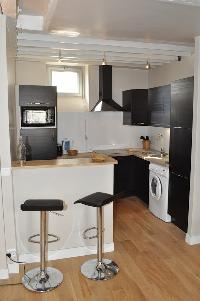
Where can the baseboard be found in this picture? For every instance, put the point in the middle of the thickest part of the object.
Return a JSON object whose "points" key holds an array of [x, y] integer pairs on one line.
{"points": [[4, 274], [192, 240], [13, 268], [66, 253]]}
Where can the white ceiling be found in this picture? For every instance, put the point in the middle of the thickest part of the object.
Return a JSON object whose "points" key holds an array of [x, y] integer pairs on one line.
{"points": [[107, 20]]}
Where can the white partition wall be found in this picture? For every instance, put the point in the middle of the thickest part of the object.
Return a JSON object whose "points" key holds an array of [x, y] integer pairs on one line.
{"points": [[7, 224]]}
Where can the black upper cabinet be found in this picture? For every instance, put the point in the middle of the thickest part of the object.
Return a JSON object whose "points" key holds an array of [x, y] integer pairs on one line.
{"points": [[135, 105], [182, 102], [31, 95], [159, 106]]}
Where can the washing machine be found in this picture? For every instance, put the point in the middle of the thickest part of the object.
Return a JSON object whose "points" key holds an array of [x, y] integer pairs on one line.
{"points": [[158, 191]]}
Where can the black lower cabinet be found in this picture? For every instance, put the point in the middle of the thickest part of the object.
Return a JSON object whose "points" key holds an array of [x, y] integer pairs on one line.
{"points": [[141, 179], [131, 177], [40, 143], [123, 183], [178, 203]]}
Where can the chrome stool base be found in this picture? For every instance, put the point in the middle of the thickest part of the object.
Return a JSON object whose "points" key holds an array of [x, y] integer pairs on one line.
{"points": [[105, 270], [33, 281]]}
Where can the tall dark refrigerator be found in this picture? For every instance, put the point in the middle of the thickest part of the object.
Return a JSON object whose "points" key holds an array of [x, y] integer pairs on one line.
{"points": [[180, 150]]}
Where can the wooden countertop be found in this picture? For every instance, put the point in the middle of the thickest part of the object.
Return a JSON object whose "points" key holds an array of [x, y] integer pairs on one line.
{"points": [[82, 159], [138, 152]]}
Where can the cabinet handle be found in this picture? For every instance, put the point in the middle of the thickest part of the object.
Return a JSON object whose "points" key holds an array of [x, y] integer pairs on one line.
{"points": [[177, 127]]}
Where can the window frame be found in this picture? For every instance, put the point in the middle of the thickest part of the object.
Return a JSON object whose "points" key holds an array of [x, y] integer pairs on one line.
{"points": [[78, 70]]}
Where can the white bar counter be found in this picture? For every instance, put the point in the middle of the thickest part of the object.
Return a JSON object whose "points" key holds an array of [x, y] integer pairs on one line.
{"points": [[68, 181]]}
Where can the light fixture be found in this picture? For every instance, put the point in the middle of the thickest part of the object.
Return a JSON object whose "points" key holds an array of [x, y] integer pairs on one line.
{"points": [[68, 33], [60, 57], [104, 60], [147, 66]]}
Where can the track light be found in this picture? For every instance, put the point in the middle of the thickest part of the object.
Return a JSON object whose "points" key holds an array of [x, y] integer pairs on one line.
{"points": [[60, 57], [104, 60], [147, 66]]}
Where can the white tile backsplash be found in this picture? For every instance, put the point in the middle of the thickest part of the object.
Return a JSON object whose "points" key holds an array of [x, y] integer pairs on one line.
{"points": [[98, 130], [159, 138]]}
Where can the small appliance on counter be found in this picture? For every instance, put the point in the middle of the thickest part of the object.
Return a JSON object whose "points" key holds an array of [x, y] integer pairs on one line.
{"points": [[65, 145]]}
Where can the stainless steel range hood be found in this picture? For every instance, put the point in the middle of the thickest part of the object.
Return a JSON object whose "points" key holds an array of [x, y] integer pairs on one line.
{"points": [[105, 102]]}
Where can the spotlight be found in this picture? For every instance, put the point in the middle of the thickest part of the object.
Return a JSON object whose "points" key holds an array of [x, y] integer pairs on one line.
{"points": [[147, 66]]}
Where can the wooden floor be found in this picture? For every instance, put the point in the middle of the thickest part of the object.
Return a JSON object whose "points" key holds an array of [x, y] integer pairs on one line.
{"points": [[155, 264]]}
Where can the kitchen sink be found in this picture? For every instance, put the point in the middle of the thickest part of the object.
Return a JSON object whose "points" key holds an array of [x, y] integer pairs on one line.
{"points": [[155, 156]]}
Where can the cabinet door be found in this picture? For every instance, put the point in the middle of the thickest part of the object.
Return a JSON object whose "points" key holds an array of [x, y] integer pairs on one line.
{"points": [[42, 143], [127, 97], [180, 151], [182, 102], [159, 106], [36, 95], [178, 204], [140, 110], [123, 184], [141, 179]]}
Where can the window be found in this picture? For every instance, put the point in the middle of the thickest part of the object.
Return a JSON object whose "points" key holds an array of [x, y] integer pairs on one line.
{"points": [[68, 80]]}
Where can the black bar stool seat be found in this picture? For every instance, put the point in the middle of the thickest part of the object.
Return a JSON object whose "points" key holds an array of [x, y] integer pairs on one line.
{"points": [[42, 205], [44, 278], [99, 268], [97, 199]]}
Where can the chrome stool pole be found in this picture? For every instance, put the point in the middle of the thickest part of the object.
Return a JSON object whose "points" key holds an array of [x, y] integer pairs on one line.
{"points": [[99, 268], [44, 278]]}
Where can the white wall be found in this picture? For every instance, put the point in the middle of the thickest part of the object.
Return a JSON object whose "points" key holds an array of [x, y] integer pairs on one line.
{"points": [[193, 234], [11, 68], [122, 79], [37, 73], [170, 72], [7, 222], [103, 129], [98, 130]]}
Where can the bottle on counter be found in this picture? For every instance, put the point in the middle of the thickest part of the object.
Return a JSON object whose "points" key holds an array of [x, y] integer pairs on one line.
{"points": [[21, 152]]}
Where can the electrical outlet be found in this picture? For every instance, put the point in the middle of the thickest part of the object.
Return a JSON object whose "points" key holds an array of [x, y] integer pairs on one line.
{"points": [[13, 253]]}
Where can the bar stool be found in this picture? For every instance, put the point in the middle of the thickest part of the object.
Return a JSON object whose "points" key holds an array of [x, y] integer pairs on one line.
{"points": [[99, 268], [44, 278]]}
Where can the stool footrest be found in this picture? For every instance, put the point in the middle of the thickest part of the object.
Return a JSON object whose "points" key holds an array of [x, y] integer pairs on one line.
{"points": [[35, 241]]}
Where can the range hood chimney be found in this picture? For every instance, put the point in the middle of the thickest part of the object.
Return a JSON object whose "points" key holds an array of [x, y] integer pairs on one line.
{"points": [[105, 102]]}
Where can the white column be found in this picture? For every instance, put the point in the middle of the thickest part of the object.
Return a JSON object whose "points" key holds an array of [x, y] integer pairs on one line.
{"points": [[193, 234], [5, 156]]}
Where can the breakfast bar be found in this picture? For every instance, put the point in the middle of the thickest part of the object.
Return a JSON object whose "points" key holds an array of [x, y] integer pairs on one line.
{"points": [[68, 180]]}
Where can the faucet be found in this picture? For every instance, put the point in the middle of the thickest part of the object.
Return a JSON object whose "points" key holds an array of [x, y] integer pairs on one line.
{"points": [[162, 152]]}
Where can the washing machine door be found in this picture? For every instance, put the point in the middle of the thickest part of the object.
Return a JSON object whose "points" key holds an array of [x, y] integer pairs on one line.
{"points": [[155, 187]]}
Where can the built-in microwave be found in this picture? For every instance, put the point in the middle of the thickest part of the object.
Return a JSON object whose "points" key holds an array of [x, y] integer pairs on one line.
{"points": [[41, 116]]}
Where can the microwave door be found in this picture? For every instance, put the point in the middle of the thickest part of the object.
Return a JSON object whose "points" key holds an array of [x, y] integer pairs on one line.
{"points": [[38, 117]]}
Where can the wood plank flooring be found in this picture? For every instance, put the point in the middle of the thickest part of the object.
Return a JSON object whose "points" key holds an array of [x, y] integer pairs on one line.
{"points": [[155, 264]]}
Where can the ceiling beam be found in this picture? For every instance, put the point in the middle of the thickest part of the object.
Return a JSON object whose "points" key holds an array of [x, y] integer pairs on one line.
{"points": [[105, 48], [49, 14], [91, 42], [55, 52]]}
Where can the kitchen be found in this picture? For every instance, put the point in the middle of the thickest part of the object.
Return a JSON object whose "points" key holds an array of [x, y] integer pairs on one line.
{"points": [[105, 130]]}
